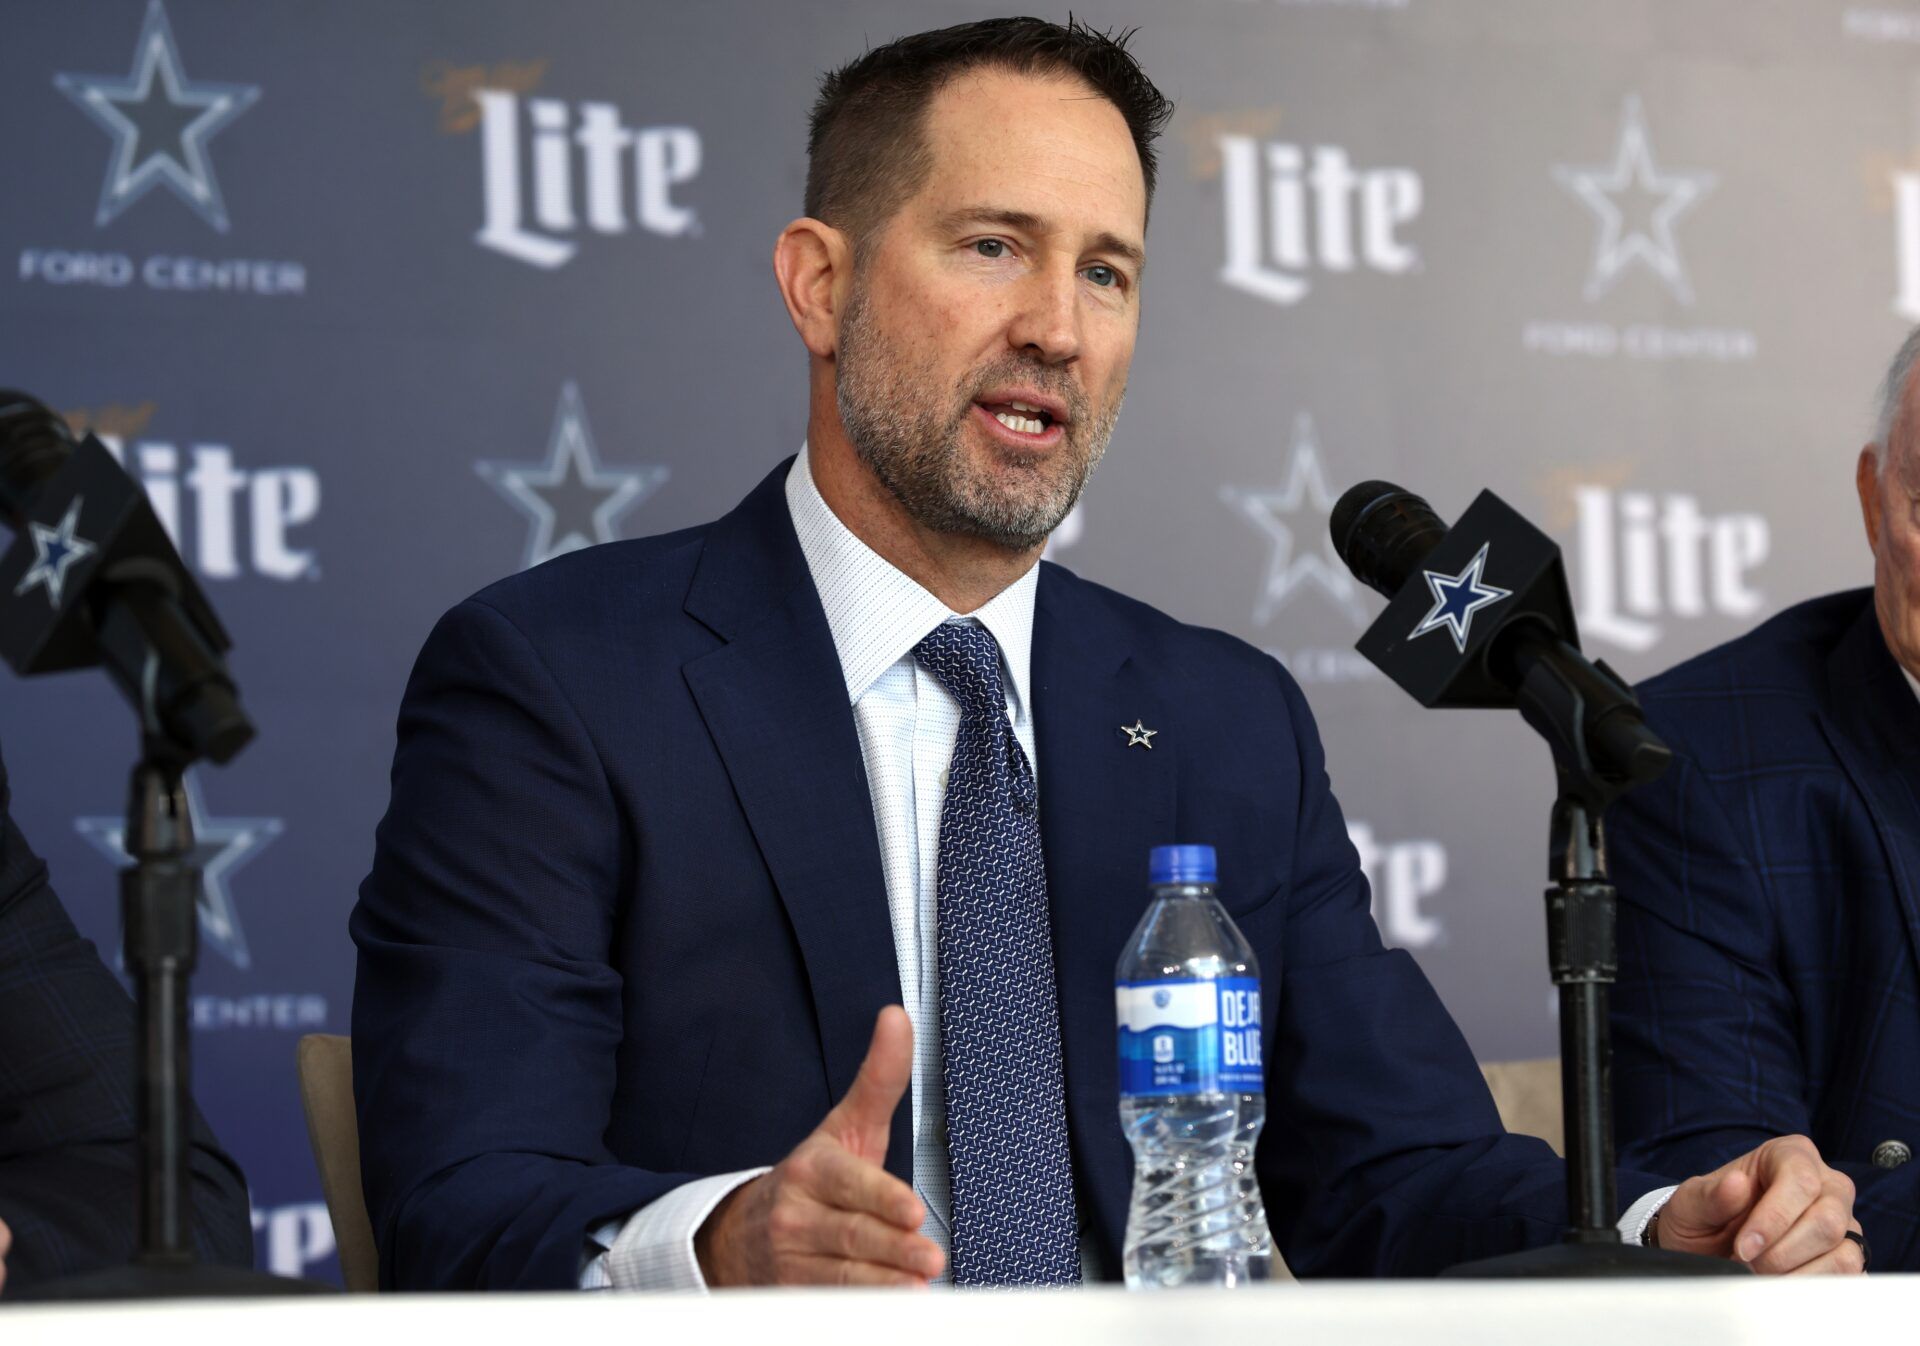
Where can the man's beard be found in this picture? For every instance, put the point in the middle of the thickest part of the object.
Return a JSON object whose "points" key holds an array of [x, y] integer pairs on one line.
{"points": [[894, 417]]}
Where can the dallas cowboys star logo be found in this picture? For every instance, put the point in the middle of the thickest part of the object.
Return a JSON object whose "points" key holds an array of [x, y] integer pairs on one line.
{"points": [[1457, 597], [160, 122], [221, 846], [1304, 502], [1634, 178], [55, 551], [571, 498], [1138, 735]]}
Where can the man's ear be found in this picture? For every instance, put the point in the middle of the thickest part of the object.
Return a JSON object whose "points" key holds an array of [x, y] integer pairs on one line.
{"points": [[813, 264], [1866, 480]]}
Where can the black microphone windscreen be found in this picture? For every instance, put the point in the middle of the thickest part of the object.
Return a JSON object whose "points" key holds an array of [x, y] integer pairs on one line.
{"points": [[34, 441], [1382, 532], [1350, 506]]}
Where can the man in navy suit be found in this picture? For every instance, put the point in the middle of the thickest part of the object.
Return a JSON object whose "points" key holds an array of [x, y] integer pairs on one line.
{"points": [[68, 1175], [679, 824], [1770, 882]]}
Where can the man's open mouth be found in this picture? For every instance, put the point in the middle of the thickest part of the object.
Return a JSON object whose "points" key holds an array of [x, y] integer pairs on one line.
{"points": [[1021, 416]]}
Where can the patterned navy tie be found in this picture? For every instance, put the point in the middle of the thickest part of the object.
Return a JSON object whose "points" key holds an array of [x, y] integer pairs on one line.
{"points": [[1013, 1208]]}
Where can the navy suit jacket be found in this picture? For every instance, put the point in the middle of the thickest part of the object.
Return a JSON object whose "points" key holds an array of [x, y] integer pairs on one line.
{"points": [[68, 1177], [1770, 912], [626, 922]]}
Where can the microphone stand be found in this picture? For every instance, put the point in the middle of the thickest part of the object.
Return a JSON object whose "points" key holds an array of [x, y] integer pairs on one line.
{"points": [[159, 911], [158, 896], [1574, 708], [136, 610]]}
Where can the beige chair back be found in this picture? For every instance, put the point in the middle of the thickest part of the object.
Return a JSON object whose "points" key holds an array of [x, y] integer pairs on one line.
{"points": [[1528, 1096], [326, 1091]]}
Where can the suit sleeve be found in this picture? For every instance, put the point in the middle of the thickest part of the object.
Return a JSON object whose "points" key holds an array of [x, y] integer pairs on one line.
{"points": [[1707, 1060], [68, 1151], [486, 1012], [1385, 1155]]}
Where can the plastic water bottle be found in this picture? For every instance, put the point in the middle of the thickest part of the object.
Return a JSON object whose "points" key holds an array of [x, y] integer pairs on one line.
{"points": [[1192, 1091]]}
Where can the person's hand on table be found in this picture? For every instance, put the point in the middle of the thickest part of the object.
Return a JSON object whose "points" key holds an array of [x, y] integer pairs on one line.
{"points": [[829, 1213], [1778, 1208], [6, 1244]]}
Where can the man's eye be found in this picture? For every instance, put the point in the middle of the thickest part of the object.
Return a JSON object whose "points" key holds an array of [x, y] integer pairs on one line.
{"points": [[1103, 276], [997, 246]]}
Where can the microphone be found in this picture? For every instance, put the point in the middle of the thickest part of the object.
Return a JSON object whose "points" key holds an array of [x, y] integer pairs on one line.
{"points": [[1479, 615], [1381, 532], [92, 578]]}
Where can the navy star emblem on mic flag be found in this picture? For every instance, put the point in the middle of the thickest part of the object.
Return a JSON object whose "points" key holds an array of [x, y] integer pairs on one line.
{"points": [[56, 550], [1457, 597]]}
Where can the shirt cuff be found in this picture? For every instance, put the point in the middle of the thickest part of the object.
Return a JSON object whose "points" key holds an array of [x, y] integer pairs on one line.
{"points": [[1633, 1225], [653, 1248]]}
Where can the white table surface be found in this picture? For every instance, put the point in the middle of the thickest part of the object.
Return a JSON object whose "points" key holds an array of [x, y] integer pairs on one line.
{"points": [[1813, 1312]]}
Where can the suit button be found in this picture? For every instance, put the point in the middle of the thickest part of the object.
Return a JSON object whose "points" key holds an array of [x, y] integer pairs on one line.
{"points": [[1891, 1153]]}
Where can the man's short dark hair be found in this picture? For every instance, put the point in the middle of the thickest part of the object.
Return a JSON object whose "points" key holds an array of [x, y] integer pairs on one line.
{"points": [[867, 148]]}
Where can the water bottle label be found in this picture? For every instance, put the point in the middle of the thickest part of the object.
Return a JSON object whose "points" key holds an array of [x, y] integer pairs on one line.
{"points": [[1190, 1037]]}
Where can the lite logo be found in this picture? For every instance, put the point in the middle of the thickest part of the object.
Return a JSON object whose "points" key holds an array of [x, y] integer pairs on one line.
{"points": [[1906, 221], [1644, 556], [202, 499], [1403, 875], [290, 1240], [1290, 211], [622, 170]]}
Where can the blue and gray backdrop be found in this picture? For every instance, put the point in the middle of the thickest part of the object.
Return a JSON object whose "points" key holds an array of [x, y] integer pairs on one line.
{"points": [[385, 301]]}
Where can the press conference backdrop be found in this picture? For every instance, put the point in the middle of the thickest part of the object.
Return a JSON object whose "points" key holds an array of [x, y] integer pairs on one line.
{"points": [[383, 302]]}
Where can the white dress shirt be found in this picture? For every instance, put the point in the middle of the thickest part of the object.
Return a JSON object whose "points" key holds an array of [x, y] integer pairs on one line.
{"points": [[908, 724]]}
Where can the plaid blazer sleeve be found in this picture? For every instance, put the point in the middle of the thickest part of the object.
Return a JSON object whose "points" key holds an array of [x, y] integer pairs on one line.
{"points": [[1708, 1062], [1709, 1020], [67, 1152]]}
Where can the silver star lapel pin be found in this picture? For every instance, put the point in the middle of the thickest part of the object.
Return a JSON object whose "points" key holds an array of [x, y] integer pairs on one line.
{"points": [[1138, 734]]}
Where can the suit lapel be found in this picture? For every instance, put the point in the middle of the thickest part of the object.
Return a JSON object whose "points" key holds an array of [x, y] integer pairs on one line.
{"points": [[1102, 804], [775, 702], [1872, 721]]}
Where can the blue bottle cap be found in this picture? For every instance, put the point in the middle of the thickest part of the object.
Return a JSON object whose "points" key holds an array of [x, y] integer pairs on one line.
{"points": [[1181, 864]]}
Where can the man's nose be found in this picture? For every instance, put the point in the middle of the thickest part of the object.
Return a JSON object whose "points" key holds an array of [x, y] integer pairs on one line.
{"points": [[1047, 322]]}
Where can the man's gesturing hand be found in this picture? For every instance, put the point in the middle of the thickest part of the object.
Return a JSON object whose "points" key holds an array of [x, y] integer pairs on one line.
{"points": [[829, 1214], [1778, 1207]]}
